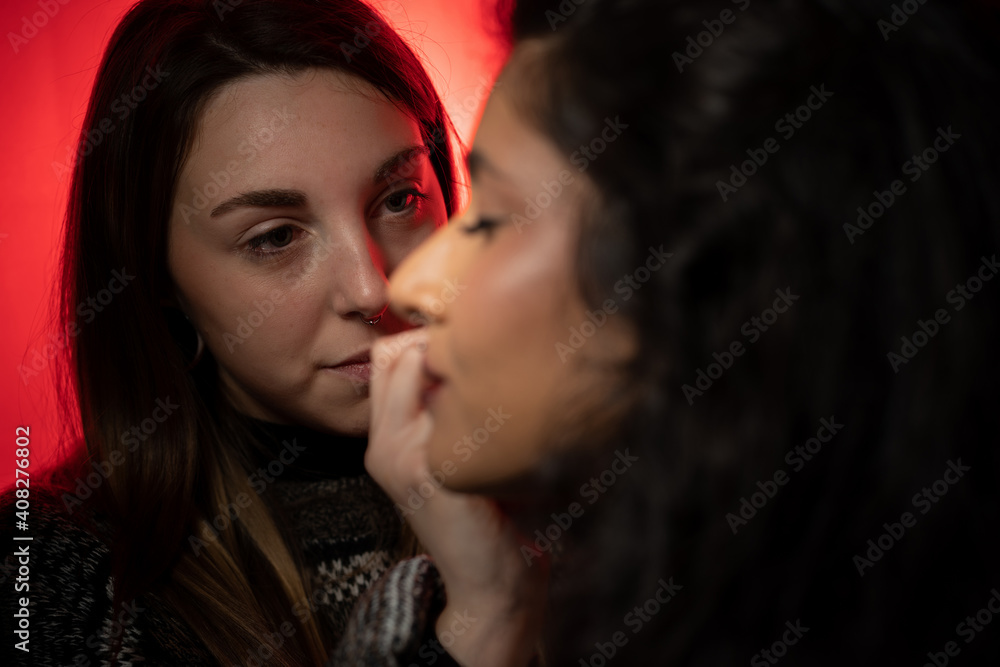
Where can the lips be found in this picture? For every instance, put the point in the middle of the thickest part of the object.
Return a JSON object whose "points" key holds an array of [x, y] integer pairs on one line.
{"points": [[357, 366], [361, 357]]}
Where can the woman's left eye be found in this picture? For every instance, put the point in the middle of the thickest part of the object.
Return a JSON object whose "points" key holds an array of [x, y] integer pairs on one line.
{"points": [[398, 202], [278, 238]]}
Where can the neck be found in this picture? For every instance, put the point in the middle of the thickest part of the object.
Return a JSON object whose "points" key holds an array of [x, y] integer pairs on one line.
{"points": [[301, 453]]}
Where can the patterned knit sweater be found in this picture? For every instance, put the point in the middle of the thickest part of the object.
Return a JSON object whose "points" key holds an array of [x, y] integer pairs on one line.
{"points": [[379, 616]]}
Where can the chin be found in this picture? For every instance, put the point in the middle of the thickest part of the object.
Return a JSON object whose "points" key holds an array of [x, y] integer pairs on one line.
{"points": [[355, 423], [481, 477], [339, 417]]}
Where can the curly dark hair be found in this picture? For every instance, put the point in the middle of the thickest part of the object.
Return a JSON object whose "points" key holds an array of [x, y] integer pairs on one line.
{"points": [[818, 421]]}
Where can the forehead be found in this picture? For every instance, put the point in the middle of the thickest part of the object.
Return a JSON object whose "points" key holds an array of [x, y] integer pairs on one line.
{"points": [[314, 126], [241, 100], [512, 152]]}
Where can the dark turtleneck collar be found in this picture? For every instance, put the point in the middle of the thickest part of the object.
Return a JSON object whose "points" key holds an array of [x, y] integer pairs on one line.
{"points": [[305, 454]]}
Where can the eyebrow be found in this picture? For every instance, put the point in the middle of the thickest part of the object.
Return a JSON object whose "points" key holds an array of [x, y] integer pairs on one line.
{"points": [[477, 164], [273, 198], [279, 198], [387, 169]]}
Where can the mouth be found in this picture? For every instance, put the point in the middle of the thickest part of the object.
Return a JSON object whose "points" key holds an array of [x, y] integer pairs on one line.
{"points": [[430, 385], [357, 367]]}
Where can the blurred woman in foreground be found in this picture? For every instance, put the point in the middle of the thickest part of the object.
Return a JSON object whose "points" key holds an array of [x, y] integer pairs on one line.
{"points": [[725, 343]]}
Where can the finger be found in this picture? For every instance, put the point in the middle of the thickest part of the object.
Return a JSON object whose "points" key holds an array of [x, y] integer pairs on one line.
{"points": [[398, 402], [385, 355]]}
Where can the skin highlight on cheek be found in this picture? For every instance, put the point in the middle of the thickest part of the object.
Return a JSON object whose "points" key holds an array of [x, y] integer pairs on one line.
{"points": [[503, 400]]}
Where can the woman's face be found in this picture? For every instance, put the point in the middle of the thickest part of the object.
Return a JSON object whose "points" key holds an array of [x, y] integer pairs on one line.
{"points": [[498, 288], [300, 195]]}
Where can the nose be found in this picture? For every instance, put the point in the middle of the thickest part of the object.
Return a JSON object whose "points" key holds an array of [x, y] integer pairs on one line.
{"points": [[418, 284], [360, 286]]}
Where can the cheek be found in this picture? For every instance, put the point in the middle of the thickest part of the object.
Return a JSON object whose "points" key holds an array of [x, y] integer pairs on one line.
{"points": [[396, 246], [267, 329], [514, 309], [505, 328], [249, 324]]}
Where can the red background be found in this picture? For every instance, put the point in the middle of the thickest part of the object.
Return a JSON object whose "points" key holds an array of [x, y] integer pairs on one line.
{"points": [[46, 83]]}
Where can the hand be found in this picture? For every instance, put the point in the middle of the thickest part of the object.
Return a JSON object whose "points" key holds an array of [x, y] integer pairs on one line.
{"points": [[474, 545]]}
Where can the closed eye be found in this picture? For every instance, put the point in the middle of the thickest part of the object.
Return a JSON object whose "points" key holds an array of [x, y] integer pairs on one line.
{"points": [[481, 226]]}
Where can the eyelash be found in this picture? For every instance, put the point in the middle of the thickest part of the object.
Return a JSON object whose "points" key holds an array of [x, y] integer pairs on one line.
{"points": [[254, 244], [419, 199], [481, 226]]}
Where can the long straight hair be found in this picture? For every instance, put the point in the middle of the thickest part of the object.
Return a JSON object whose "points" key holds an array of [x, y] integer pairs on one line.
{"points": [[125, 366]]}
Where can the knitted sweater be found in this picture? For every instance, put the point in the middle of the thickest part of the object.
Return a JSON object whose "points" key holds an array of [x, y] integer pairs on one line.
{"points": [[336, 511]]}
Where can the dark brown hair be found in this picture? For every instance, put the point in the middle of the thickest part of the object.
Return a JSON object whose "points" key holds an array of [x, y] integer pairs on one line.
{"points": [[245, 581]]}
